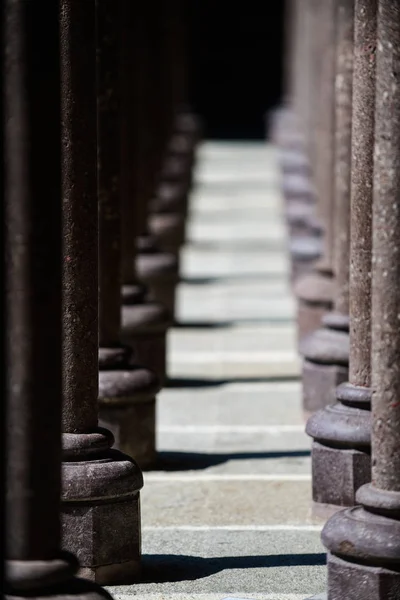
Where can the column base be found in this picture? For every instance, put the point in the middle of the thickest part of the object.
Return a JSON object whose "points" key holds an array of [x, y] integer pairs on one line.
{"points": [[134, 430], [341, 461], [337, 474], [304, 252], [107, 539], [168, 230], [351, 581], [100, 508], [326, 365], [120, 573], [363, 546], [171, 197], [319, 384], [127, 409], [315, 293], [144, 329], [160, 272]]}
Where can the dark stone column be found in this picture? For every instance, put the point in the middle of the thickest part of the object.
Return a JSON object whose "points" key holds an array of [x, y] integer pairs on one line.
{"points": [[100, 501], [341, 448], [158, 269], [126, 391], [169, 206], [144, 323], [326, 351], [315, 290], [36, 566], [364, 541]]}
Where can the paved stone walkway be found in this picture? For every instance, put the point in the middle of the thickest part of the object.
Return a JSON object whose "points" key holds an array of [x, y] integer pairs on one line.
{"points": [[229, 514]]}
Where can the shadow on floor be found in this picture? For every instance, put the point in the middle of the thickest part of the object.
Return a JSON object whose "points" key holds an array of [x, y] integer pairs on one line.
{"points": [[233, 323], [189, 461], [264, 277], [227, 184], [203, 324], [234, 246], [162, 568], [192, 382]]}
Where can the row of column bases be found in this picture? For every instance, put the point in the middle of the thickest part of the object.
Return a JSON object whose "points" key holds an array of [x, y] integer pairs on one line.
{"points": [[338, 134], [99, 148]]}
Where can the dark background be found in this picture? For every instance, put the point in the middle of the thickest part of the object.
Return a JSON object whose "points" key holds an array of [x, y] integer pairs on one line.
{"points": [[236, 64]]}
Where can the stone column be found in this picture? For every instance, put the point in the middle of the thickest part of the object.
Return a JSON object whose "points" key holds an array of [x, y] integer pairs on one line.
{"points": [[326, 351], [36, 566], [284, 122], [298, 188], [315, 290], [341, 448], [168, 209], [158, 269], [100, 499], [280, 120], [126, 391], [144, 323], [364, 541]]}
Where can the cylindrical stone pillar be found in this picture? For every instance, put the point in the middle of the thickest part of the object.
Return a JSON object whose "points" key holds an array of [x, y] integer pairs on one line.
{"points": [[144, 323], [315, 290], [305, 244], [341, 448], [364, 541], [285, 125], [169, 206], [36, 566], [326, 351], [126, 391], [100, 485], [159, 270]]}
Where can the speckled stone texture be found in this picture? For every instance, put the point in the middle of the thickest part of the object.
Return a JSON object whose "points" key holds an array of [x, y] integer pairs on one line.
{"points": [[144, 324], [319, 384], [314, 293], [33, 564], [363, 541], [100, 491], [353, 416], [159, 271], [349, 581], [144, 329], [337, 476]]}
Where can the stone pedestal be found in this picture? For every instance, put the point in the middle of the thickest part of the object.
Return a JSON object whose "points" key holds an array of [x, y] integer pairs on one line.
{"points": [[314, 293]]}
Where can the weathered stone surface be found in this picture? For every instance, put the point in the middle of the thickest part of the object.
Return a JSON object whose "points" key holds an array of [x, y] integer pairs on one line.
{"points": [[338, 473], [349, 580], [186, 564], [320, 382]]}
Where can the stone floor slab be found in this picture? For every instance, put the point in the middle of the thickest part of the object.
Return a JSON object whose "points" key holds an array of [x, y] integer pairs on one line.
{"points": [[262, 365], [186, 501], [232, 404], [250, 338], [230, 563], [235, 265], [232, 439], [227, 514]]}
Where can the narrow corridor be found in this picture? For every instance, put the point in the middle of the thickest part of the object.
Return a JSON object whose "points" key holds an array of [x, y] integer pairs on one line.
{"points": [[229, 512]]}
